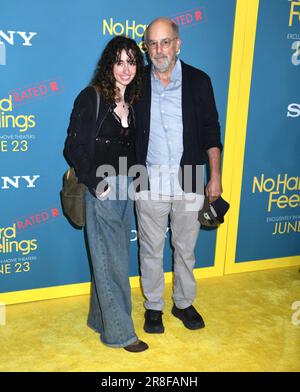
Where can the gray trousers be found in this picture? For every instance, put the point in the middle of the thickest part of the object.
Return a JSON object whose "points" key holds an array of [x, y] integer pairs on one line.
{"points": [[152, 225]]}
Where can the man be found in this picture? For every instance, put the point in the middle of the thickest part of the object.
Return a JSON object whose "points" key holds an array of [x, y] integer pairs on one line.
{"points": [[178, 128]]}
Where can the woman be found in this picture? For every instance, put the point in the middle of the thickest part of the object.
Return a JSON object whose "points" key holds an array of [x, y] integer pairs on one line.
{"points": [[90, 145]]}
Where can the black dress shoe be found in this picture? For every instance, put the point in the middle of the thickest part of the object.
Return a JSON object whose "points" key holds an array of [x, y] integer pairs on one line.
{"points": [[153, 321], [137, 347], [189, 316]]}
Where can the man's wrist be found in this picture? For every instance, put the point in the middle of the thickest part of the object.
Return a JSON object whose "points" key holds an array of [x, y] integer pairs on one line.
{"points": [[215, 176]]}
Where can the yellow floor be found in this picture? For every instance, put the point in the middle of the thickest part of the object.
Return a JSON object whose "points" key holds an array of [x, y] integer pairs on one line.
{"points": [[248, 328]]}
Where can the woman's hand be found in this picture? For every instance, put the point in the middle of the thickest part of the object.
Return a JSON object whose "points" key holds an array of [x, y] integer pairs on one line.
{"points": [[103, 194]]}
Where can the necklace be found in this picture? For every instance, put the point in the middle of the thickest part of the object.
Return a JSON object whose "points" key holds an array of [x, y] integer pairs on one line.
{"points": [[122, 104]]}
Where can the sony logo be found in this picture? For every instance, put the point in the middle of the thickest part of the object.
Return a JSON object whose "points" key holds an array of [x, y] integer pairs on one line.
{"points": [[9, 37], [9, 182]]}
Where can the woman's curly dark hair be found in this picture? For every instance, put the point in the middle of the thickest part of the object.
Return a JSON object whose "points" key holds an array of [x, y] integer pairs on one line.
{"points": [[104, 79]]}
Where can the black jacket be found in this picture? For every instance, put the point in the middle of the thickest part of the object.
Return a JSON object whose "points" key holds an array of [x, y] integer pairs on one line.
{"points": [[201, 128], [79, 147]]}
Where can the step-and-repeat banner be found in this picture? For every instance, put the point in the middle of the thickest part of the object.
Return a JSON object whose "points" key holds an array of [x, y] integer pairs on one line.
{"points": [[48, 52], [269, 216]]}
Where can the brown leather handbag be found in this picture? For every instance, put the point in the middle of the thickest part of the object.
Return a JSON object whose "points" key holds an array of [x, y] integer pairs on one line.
{"points": [[72, 197]]}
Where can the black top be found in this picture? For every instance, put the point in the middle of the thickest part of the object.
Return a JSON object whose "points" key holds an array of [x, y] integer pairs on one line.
{"points": [[115, 141]]}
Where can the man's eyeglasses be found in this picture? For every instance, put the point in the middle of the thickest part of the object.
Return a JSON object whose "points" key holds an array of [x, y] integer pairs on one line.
{"points": [[164, 43]]}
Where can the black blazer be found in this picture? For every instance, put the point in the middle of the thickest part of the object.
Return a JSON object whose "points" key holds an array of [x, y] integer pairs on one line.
{"points": [[79, 149], [201, 128]]}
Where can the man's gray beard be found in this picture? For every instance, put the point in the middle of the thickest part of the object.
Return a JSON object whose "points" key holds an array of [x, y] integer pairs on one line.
{"points": [[161, 67]]}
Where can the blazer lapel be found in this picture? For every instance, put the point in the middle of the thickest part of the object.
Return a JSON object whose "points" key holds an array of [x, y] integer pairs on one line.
{"points": [[186, 99]]}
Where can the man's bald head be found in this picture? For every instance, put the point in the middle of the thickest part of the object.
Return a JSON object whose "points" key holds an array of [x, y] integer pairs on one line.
{"points": [[161, 21]]}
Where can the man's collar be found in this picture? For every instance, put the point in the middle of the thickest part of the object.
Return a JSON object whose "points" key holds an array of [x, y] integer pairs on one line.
{"points": [[176, 73]]}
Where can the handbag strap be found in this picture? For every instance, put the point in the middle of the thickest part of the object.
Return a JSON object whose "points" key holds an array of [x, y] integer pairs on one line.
{"points": [[98, 103], [98, 106]]}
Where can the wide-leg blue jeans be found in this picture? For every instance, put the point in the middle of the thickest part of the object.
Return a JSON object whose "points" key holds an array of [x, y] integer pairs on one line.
{"points": [[108, 224]]}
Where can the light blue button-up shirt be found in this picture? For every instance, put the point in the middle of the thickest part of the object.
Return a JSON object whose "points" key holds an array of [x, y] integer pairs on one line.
{"points": [[166, 134]]}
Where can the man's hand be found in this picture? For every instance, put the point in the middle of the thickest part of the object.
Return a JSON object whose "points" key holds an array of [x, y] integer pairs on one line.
{"points": [[214, 187]]}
